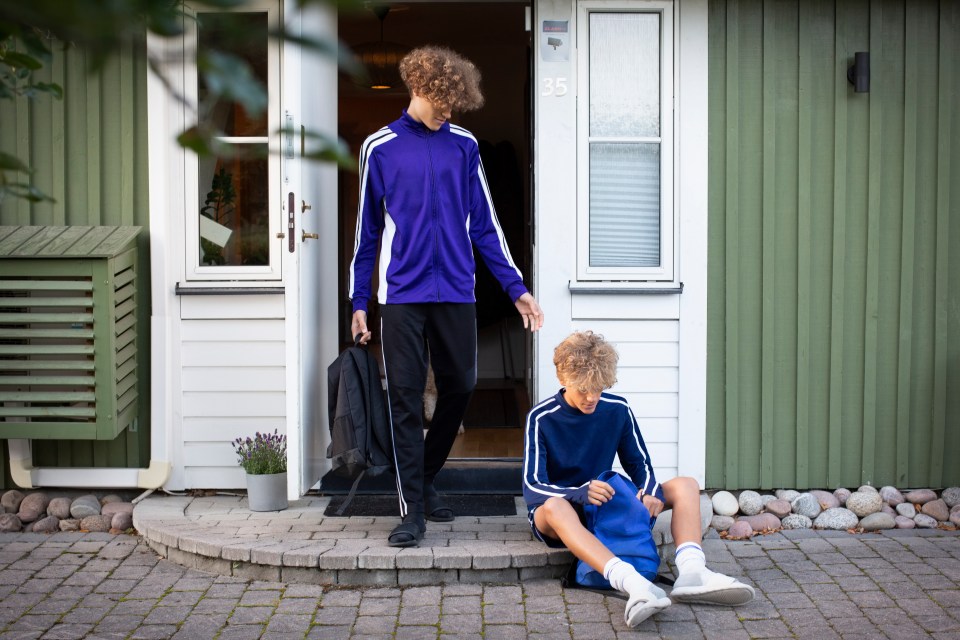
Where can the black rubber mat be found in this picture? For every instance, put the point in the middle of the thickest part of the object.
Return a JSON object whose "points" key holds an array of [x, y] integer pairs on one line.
{"points": [[387, 505]]}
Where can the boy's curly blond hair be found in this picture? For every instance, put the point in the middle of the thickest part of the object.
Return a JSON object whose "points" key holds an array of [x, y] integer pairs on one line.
{"points": [[585, 359], [442, 77]]}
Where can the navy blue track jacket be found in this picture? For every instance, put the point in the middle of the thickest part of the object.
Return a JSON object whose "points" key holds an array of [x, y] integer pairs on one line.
{"points": [[424, 200], [564, 449]]}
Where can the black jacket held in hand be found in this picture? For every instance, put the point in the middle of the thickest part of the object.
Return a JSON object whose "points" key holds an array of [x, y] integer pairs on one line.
{"points": [[360, 438]]}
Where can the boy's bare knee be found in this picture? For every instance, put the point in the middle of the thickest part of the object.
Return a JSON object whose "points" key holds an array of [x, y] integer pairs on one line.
{"points": [[681, 489]]}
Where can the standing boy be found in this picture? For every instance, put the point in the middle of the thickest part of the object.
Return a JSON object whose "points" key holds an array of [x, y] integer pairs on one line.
{"points": [[570, 439], [425, 204]]}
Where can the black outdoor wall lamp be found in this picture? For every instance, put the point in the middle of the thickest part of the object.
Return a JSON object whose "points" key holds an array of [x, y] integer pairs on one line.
{"points": [[859, 72]]}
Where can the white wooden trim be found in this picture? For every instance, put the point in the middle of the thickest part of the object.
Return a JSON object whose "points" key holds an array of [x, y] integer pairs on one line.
{"points": [[692, 187], [667, 271]]}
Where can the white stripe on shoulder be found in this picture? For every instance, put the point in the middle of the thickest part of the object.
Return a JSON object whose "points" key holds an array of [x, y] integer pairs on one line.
{"points": [[460, 131]]}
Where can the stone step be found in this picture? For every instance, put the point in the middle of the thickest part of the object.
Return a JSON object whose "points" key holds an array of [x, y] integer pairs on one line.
{"points": [[300, 545]]}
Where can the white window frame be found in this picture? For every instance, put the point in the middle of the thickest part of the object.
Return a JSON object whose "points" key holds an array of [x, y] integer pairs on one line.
{"points": [[195, 272], [666, 274]]}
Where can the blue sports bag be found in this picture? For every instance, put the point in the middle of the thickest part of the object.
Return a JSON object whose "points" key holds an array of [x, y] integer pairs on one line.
{"points": [[624, 526]]}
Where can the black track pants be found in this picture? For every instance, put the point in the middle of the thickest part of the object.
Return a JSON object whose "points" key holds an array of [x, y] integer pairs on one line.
{"points": [[448, 332]]}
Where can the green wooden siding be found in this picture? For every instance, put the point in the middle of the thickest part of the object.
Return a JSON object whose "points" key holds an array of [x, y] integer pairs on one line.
{"points": [[89, 152], [834, 262]]}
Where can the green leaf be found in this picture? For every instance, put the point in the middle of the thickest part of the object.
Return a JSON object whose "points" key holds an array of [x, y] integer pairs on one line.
{"points": [[195, 140], [49, 87], [12, 163], [19, 60]]}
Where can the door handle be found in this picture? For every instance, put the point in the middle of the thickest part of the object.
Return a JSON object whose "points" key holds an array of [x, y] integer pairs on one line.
{"points": [[291, 224]]}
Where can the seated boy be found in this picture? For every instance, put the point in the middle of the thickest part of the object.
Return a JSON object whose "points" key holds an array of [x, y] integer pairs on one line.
{"points": [[570, 439]]}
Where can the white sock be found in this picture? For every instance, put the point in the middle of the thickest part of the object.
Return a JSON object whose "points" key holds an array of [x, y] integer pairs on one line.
{"points": [[689, 558], [623, 577]]}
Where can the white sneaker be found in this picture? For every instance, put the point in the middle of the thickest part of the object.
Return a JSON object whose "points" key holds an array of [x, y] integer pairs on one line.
{"points": [[643, 605], [708, 587]]}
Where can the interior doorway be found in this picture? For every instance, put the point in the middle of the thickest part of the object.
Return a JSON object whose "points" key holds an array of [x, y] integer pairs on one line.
{"points": [[496, 38]]}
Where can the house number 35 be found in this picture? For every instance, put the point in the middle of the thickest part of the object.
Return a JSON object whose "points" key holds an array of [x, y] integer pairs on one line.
{"points": [[554, 87]]}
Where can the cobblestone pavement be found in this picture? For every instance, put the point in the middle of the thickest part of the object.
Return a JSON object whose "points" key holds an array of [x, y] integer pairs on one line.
{"points": [[810, 585]]}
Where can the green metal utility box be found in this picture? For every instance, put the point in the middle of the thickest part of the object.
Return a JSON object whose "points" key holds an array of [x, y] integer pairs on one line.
{"points": [[68, 334]]}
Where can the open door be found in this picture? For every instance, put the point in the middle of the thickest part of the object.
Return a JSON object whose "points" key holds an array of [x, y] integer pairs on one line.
{"points": [[310, 202]]}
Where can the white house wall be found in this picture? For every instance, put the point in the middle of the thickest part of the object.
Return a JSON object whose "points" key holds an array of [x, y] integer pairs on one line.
{"points": [[661, 337], [233, 383]]}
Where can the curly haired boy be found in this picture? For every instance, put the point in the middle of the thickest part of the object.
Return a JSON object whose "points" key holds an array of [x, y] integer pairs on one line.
{"points": [[571, 439], [424, 206]]}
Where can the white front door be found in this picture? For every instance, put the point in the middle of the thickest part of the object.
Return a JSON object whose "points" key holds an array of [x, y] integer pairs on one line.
{"points": [[243, 302], [310, 189]]}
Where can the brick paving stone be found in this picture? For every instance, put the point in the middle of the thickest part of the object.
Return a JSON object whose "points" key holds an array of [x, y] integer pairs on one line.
{"points": [[416, 633], [335, 615], [298, 605], [544, 604], [68, 631], [507, 614], [342, 598], [419, 614], [329, 632], [369, 625], [459, 623], [372, 606]]}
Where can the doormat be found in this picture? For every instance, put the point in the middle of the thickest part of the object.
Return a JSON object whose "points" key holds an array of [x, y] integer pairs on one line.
{"points": [[388, 505]]}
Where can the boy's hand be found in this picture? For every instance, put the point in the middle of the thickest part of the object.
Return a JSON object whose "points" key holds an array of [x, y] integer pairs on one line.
{"points": [[358, 326], [530, 311], [599, 492], [653, 504]]}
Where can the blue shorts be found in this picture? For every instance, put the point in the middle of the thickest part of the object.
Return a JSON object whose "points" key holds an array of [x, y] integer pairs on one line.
{"points": [[553, 543]]}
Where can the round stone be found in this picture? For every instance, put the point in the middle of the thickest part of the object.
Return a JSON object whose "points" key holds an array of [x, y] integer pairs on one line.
{"points": [[796, 521], [806, 505], [907, 510], [112, 508], [84, 506], [121, 520], [951, 496], [48, 524], [837, 519], [863, 503], [936, 509], [107, 499], [955, 518], [739, 530], [868, 489], [10, 501], [779, 508], [891, 495], [725, 503], [767, 498], [95, 523], [924, 521], [826, 499], [33, 507], [750, 502], [921, 496], [842, 495], [761, 522], [721, 523], [59, 507], [786, 494], [70, 524], [10, 523], [888, 510], [878, 522], [904, 522]]}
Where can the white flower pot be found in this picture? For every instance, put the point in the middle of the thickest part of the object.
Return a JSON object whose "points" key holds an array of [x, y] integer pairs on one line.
{"points": [[267, 492]]}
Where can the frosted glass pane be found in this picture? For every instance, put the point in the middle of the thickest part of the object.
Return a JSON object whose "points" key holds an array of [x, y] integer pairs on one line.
{"points": [[624, 74], [624, 205]]}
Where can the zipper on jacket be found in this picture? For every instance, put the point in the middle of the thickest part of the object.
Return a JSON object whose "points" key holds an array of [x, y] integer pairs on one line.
{"points": [[436, 218]]}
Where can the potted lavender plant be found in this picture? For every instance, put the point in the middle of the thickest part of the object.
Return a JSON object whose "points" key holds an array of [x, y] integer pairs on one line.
{"points": [[264, 458]]}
